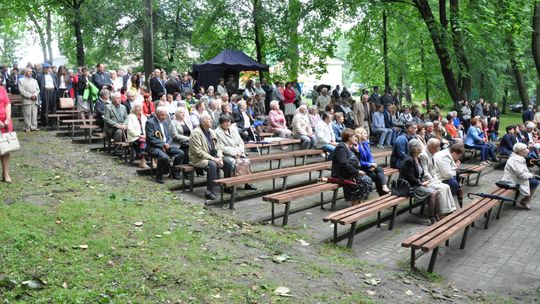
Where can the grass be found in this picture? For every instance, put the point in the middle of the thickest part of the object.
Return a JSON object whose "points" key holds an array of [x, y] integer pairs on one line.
{"points": [[509, 119]]}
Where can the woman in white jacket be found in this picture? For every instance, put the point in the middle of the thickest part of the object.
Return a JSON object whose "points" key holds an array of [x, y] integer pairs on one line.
{"points": [[136, 136], [516, 171]]}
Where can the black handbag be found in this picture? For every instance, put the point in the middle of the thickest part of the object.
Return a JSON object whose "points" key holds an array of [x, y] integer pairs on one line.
{"points": [[400, 187]]}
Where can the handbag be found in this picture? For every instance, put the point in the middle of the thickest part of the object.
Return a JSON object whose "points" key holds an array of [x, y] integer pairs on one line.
{"points": [[242, 166], [400, 187], [66, 102], [9, 143]]}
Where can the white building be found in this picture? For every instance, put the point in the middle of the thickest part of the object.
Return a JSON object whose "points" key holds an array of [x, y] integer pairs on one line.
{"points": [[332, 77]]}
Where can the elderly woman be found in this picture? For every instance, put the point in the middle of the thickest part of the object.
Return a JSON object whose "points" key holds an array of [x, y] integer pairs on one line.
{"points": [[413, 172], [232, 146], [277, 123], [346, 167], [197, 111], [136, 136], [181, 128], [516, 171], [314, 117], [367, 163], [171, 104], [338, 125], [243, 120], [475, 140], [6, 126]]}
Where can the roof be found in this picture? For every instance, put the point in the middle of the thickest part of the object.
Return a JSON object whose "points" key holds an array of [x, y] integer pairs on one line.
{"points": [[231, 60]]}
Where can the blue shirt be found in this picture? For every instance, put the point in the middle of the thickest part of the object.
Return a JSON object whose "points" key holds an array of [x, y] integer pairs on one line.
{"points": [[364, 154], [338, 129], [473, 136], [378, 120]]}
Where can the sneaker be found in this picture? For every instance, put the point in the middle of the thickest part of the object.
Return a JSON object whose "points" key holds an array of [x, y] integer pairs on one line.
{"points": [[525, 205], [210, 195], [380, 146]]}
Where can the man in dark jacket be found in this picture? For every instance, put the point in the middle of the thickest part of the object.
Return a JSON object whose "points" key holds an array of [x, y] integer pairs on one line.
{"points": [[528, 115], [158, 141], [156, 85], [48, 87], [401, 150], [101, 106], [375, 97], [173, 84], [101, 79]]}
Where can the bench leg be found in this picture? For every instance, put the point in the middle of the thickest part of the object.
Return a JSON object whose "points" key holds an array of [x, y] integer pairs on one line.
{"points": [[304, 160], [272, 213], [393, 219], [284, 185], [309, 176], [320, 174], [335, 232], [351, 235], [410, 205], [221, 188], [183, 181], [447, 243], [270, 165], [413, 258], [499, 210], [294, 161], [322, 200], [286, 214], [233, 196], [477, 179], [464, 238], [488, 217], [433, 259], [379, 219], [279, 164], [334, 199], [191, 180]]}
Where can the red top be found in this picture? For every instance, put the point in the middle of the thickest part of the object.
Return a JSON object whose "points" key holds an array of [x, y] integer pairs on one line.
{"points": [[289, 96], [75, 83], [148, 108], [4, 101]]}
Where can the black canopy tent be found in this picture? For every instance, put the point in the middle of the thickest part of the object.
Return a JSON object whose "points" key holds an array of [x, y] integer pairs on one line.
{"points": [[228, 62]]}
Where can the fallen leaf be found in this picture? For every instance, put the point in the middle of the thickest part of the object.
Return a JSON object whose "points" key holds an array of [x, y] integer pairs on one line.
{"points": [[83, 247], [216, 296], [408, 292], [264, 257], [373, 282], [371, 292], [280, 258], [158, 236], [34, 284], [166, 232], [303, 243], [58, 221], [282, 291], [368, 275], [64, 285], [138, 224]]}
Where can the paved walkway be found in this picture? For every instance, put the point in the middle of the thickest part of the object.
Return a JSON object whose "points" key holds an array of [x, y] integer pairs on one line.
{"points": [[503, 259]]}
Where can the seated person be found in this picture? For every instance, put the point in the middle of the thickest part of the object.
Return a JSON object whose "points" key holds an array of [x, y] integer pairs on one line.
{"points": [[181, 129], [136, 135], [158, 141], [508, 141], [324, 135], [367, 163], [198, 110], [338, 126], [445, 199], [378, 126], [302, 128], [232, 146], [114, 118], [148, 105], [413, 173], [101, 105], [516, 171], [401, 150], [243, 121], [475, 140], [314, 117], [205, 153], [346, 166], [277, 123], [447, 163]]}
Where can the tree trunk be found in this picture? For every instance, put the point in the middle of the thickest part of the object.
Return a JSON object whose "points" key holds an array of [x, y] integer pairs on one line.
{"points": [[520, 83], [78, 33], [441, 48], [49, 35], [294, 10], [385, 51], [408, 93], [504, 100], [148, 41], [259, 34], [457, 42], [442, 13], [423, 65], [482, 83], [536, 38], [39, 31]]}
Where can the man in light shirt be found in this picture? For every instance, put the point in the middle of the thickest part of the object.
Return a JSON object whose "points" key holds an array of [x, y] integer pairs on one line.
{"points": [[29, 89]]}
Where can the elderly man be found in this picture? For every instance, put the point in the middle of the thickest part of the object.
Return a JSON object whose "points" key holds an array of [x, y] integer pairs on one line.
{"points": [[401, 150], [101, 106], [158, 141], [243, 121], [323, 100], [445, 199], [302, 128], [516, 171], [446, 165], [29, 90], [157, 87], [232, 146], [204, 152], [130, 101], [114, 118], [48, 87], [359, 112]]}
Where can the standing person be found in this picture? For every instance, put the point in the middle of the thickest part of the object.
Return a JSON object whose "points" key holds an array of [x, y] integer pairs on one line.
{"points": [[101, 78], [159, 140], [277, 94], [346, 166], [48, 87], [29, 89], [6, 125], [375, 98], [221, 87], [249, 91], [466, 115], [268, 96], [345, 94], [516, 171], [85, 98], [379, 127], [157, 87], [314, 95], [289, 97], [528, 115], [232, 85], [335, 93], [64, 81], [358, 112]]}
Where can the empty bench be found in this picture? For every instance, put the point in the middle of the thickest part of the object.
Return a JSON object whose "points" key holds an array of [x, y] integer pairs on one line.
{"points": [[465, 173], [351, 215], [287, 196], [435, 235]]}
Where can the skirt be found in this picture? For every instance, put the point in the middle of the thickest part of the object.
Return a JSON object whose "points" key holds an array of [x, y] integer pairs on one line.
{"points": [[83, 105], [359, 191], [290, 108]]}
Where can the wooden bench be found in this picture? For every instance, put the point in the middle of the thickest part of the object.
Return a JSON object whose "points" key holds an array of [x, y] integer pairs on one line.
{"points": [[58, 117], [73, 122], [431, 238], [16, 104], [470, 170], [380, 154], [89, 132], [234, 182], [261, 145], [188, 170], [287, 196], [351, 215]]}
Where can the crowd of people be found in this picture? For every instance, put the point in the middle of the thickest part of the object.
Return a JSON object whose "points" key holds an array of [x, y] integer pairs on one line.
{"points": [[173, 118]]}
